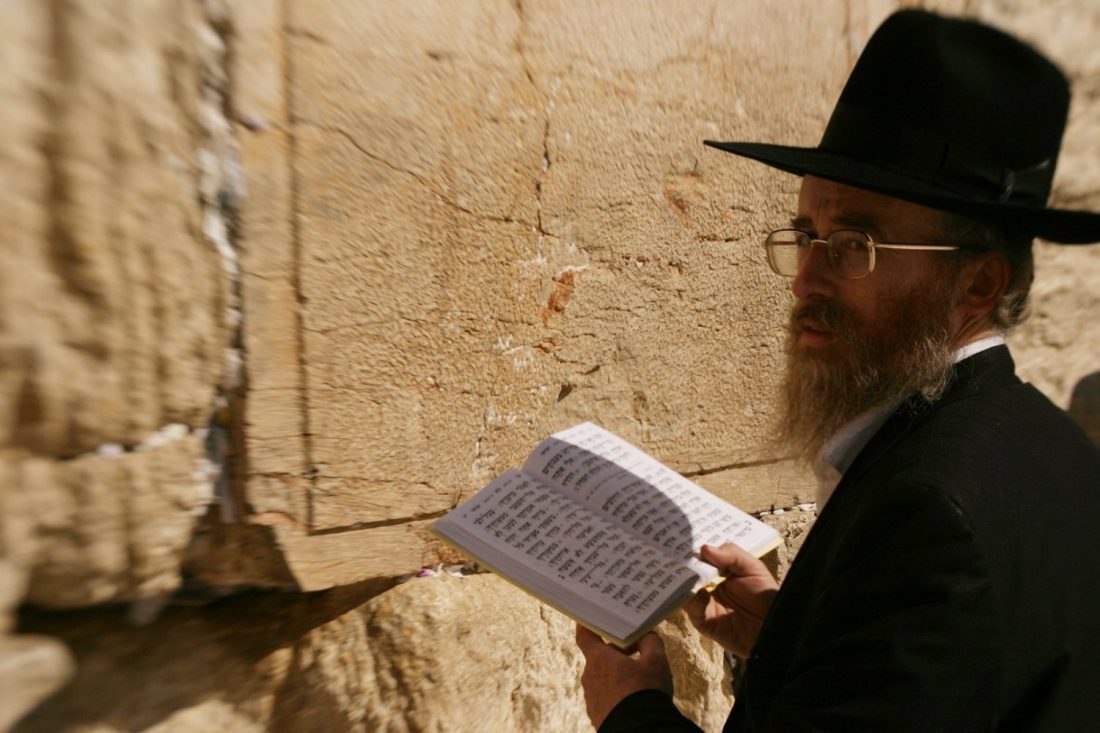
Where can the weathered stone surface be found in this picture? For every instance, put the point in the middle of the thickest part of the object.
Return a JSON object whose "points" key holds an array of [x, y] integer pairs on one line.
{"points": [[107, 527], [528, 234], [421, 656], [274, 438], [476, 263], [761, 487], [1060, 345], [478, 654], [700, 673], [1084, 405], [31, 668], [119, 301], [115, 304], [792, 524]]}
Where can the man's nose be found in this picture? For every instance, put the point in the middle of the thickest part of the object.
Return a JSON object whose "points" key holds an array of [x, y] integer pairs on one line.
{"points": [[815, 279]]}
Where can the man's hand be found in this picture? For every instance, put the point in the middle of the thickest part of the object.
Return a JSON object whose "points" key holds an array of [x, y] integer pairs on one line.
{"points": [[733, 614], [611, 674]]}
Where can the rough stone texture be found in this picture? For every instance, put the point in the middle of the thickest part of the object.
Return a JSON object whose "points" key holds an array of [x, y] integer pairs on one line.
{"points": [[31, 668], [493, 231], [118, 299], [129, 545], [115, 304], [1085, 404], [418, 657], [793, 525], [533, 234], [498, 220], [464, 225], [1059, 348]]}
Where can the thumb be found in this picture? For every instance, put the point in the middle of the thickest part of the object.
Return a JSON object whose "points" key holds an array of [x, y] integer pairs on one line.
{"points": [[732, 560]]}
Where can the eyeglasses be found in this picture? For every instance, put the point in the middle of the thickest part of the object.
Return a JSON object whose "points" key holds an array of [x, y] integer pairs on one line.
{"points": [[851, 253]]}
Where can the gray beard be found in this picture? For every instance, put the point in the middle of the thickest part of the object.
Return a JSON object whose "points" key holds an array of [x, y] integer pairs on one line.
{"points": [[908, 352]]}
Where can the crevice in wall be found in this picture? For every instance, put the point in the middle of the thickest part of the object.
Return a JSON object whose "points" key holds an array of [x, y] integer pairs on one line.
{"points": [[163, 435], [776, 511], [221, 187], [70, 263], [735, 466], [849, 39], [521, 51], [297, 247], [419, 178], [415, 518]]}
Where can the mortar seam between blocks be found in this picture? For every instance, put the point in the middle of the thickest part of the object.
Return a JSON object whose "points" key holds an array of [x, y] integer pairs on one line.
{"points": [[297, 256]]}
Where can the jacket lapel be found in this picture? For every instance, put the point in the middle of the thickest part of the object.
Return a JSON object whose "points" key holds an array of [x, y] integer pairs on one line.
{"points": [[985, 370]]}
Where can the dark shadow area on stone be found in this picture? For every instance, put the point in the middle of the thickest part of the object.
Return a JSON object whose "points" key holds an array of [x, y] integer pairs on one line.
{"points": [[130, 678], [1084, 405]]}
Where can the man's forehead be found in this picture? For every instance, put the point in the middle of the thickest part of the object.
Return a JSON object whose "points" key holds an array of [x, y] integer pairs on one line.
{"points": [[822, 202]]}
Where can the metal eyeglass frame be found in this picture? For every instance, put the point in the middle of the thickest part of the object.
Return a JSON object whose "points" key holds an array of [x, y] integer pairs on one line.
{"points": [[871, 243]]}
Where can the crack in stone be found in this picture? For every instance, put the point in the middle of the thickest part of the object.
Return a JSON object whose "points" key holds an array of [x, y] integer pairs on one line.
{"points": [[168, 433], [409, 172], [221, 188], [521, 52], [288, 33], [807, 506], [357, 526], [735, 466]]}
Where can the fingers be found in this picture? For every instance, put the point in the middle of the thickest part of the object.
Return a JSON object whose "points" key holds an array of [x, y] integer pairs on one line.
{"points": [[650, 647], [733, 560], [588, 641], [696, 608]]}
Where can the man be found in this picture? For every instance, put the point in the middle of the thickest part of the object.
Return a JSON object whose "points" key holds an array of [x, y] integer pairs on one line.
{"points": [[950, 582]]}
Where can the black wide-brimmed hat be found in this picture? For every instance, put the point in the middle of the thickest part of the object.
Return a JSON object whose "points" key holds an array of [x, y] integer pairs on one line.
{"points": [[952, 114]]}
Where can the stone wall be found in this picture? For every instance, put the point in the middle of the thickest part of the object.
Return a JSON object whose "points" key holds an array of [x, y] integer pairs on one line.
{"points": [[283, 281]]}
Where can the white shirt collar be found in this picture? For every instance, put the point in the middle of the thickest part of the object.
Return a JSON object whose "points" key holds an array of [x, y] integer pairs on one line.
{"points": [[839, 452], [974, 347]]}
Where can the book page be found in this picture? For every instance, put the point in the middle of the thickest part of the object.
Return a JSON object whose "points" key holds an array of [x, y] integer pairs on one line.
{"points": [[634, 489], [523, 528]]}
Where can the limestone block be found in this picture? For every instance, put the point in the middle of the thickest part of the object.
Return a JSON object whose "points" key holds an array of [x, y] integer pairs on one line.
{"points": [[1084, 405], [793, 524], [1059, 347], [474, 654], [108, 527], [31, 667], [442, 653], [275, 422], [119, 300], [501, 221], [115, 308], [700, 673], [760, 487], [213, 668]]}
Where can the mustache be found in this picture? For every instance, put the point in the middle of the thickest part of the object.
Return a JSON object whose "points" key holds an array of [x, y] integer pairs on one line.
{"points": [[828, 317]]}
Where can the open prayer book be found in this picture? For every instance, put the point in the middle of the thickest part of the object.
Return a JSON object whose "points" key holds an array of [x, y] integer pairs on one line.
{"points": [[601, 531]]}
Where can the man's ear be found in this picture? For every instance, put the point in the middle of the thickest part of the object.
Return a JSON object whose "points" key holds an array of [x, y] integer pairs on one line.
{"points": [[986, 278]]}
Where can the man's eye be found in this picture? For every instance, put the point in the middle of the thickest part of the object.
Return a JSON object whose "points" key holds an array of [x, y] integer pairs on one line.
{"points": [[852, 244]]}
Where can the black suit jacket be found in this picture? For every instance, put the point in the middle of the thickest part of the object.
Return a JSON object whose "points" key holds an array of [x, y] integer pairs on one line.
{"points": [[951, 583]]}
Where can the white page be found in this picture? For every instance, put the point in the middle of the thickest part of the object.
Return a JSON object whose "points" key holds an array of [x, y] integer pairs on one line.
{"points": [[609, 474], [529, 526]]}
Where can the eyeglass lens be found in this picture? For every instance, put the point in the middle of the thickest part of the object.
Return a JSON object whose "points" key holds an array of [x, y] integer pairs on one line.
{"points": [[849, 252]]}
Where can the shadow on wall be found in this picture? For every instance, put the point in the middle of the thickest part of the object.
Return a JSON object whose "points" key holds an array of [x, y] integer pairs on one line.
{"points": [[1084, 405], [214, 666]]}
